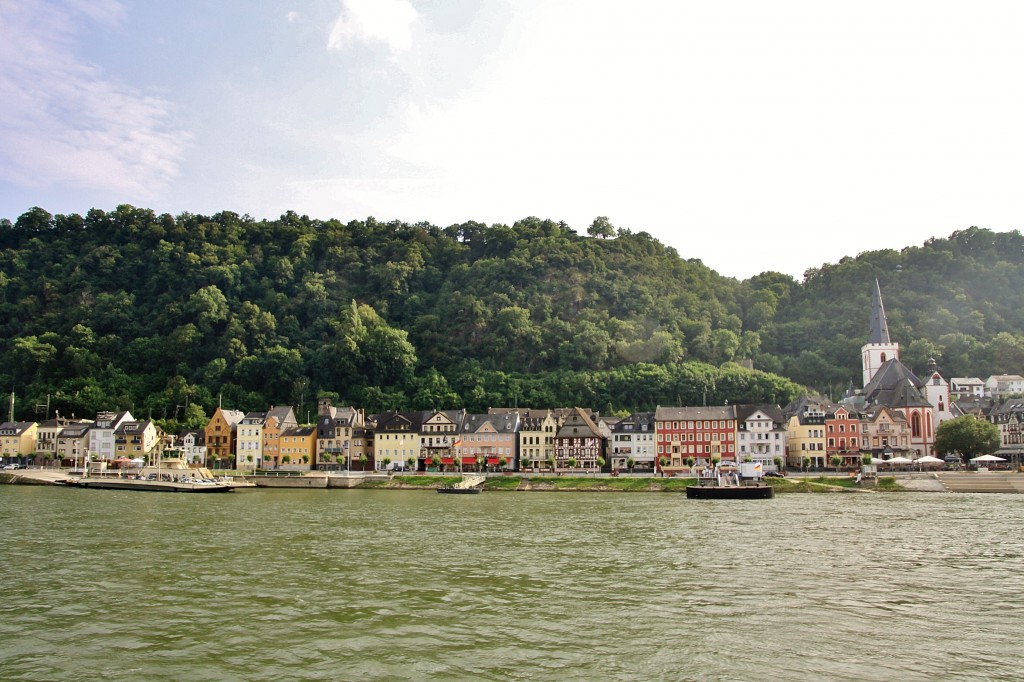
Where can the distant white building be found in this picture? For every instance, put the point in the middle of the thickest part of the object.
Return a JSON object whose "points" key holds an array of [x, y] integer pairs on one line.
{"points": [[1002, 386], [967, 387]]}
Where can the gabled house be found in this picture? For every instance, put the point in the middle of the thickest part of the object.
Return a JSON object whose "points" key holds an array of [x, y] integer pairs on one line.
{"points": [[632, 443], [101, 437], [277, 420], [17, 441], [805, 431], [220, 435], [396, 439], [337, 430], [138, 439], [249, 441], [537, 429], [193, 446], [842, 428], [439, 433], [578, 443], [488, 440], [761, 435], [885, 433]]}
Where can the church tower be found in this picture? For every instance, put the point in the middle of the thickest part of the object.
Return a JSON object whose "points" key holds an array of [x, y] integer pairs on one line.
{"points": [[879, 349]]}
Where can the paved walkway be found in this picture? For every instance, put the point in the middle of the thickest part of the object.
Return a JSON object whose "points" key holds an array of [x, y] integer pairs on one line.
{"points": [[38, 476]]}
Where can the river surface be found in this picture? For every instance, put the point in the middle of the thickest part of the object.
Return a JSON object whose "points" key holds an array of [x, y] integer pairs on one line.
{"points": [[386, 585]]}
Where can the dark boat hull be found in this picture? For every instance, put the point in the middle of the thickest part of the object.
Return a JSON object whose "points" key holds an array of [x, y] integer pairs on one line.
{"points": [[730, 492], [459, 491]]}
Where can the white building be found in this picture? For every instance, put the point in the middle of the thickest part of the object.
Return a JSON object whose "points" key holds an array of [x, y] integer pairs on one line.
{"points": [[1002, 386], [761, 434], [101, 439], [967, 387]]}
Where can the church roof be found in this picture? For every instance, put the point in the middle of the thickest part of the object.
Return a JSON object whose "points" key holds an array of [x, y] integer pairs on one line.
{"points": [[879, 332], [894, 385]]}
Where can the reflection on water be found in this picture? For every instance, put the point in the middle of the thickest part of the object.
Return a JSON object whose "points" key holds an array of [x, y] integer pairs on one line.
{"points": [[363, 585]]}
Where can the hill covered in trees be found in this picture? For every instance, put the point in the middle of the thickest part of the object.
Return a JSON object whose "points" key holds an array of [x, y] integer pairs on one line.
{"points": [[168, 315]]}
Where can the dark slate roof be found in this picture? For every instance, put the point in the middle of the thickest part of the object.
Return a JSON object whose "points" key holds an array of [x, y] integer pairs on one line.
{"points": [[896, 386], [773, 412], [694, 413], [879, 332], [578, 424], [638, 422], [501, 423]]}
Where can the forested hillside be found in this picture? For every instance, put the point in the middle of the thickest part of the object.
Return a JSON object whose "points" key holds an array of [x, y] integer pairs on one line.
{"points": [[169, 315]]}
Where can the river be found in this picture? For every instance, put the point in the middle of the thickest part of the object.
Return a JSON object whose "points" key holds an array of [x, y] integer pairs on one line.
{"points": [[388, 585]]}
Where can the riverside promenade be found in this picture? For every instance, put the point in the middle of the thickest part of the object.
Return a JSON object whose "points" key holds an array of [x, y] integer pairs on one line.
{"points": [[941, 481]]}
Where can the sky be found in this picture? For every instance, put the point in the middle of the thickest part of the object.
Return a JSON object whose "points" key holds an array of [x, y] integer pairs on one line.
{"points": [[753, 136]]}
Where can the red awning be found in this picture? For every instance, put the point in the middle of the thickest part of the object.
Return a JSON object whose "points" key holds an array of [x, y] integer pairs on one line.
{"points": [[446, 460], [492, 460], [469, 460]]}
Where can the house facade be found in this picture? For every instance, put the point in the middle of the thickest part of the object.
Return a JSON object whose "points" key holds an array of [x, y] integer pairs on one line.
{"points": [[138, 439], [488, 440], [537, 429], [249, 441], [761, 435], [101, 437], [17, 440], [298, 448], [707, 434], [220, 433], [632, 443], [578, 443]]}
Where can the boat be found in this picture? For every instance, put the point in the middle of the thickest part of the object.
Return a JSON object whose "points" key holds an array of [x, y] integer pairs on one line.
{"points": [[756, 491], [469, 485], [716, 484], [170, 475], [179, 486], [454, 490]]}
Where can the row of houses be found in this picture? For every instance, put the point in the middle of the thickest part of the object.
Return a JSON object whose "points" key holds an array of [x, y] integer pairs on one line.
{"points": [[895, 413], [811, 431]]}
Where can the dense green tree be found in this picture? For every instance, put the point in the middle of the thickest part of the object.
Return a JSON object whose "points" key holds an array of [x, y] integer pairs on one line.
{"points": [[967, 436]]}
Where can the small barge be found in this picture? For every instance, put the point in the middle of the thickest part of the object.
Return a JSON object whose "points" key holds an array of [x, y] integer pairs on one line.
{"points": [[747, 484], [469, 485]]}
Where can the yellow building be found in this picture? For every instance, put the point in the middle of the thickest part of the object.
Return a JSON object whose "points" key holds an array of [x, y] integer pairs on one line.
{"points": [[17, 439], [298, 447], [806, 433]]}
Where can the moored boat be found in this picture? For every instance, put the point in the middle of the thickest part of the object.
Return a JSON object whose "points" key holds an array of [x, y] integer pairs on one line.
{"points": [[758, 491], [179, 486]]}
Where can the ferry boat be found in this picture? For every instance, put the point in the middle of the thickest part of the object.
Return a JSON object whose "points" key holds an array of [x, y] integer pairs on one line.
{"points": [[171, 475], [715, 484]]}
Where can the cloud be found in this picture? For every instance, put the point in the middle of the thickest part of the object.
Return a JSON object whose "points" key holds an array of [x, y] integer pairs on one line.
{"points": [[374, 21], [66, 122]]}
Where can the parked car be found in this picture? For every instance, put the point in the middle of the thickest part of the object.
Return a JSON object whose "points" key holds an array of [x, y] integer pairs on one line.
{"points": [[12, 466], [775, 474]]}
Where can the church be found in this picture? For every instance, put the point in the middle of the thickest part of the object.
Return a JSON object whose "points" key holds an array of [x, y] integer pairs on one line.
{"points": [[890, 384]]}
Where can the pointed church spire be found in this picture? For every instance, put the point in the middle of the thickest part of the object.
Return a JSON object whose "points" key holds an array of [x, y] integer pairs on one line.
{"points": [[879, 328]]}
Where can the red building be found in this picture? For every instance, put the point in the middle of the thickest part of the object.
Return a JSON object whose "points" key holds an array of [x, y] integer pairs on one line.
{"points": [[703, 433]]}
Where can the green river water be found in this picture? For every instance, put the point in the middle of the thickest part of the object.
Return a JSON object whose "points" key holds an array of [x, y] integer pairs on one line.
{"points": [[387, 585]]}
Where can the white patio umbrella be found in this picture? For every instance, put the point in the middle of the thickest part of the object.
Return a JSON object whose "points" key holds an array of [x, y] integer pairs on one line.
{"points": [[899, 460], [988, 458], [928, 459]]}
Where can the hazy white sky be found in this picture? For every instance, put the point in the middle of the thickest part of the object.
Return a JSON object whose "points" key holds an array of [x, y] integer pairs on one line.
{"points": [[751, 135]]}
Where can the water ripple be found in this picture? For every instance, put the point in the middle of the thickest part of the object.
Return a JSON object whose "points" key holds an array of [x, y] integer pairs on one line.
{"points": [[376, 585]]}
